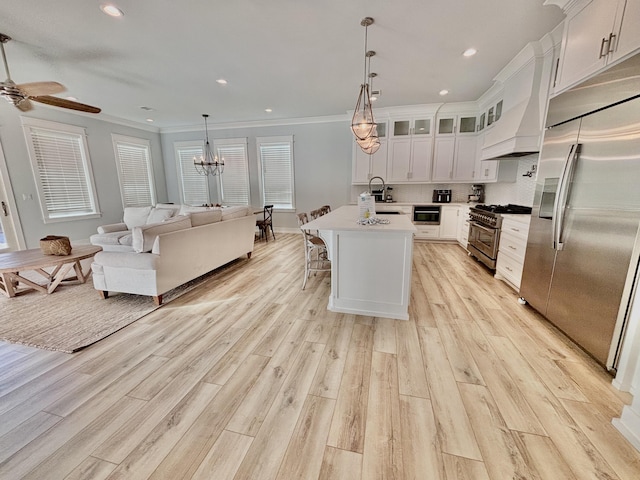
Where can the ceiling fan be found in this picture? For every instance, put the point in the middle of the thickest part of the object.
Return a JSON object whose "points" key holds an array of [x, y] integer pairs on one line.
{"points": [[22, 95]]}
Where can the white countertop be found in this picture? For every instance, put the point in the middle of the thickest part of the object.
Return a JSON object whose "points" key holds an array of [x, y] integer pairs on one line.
{"points": [[346, 218]]}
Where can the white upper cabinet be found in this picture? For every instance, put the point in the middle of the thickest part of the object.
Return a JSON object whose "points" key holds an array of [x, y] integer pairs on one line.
{"points": [[629, 36], [455, 159], [596, 33], [410, 150], [408, 127]]}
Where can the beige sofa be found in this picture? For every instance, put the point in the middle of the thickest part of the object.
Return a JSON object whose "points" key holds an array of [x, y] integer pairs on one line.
{"points": [[162, 255]]}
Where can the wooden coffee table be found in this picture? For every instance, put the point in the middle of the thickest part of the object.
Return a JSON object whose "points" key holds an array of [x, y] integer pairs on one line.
{"points": [[12, 263]]}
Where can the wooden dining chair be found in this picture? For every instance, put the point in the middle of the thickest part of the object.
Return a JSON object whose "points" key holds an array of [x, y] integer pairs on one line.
{"points": [[266, 223], [315, 213], [325, 209]]}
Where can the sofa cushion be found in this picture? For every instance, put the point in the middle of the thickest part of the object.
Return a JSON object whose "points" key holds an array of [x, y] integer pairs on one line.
{"points": [[234, 212], [159, 215], [143, 236], [112, 238], [136, 216], [206, 217], [184, 209]]}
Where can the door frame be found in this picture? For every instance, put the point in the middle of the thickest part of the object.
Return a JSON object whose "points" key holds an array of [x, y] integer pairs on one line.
{"points": [[10, 224]]}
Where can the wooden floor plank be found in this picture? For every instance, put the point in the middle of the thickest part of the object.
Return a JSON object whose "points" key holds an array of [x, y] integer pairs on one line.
{"points": [[339, 464], [412, 379], [455, 434], [382, 456], [421, 453], [303, 458], [224, 458], [265, 455], [348, 424]]}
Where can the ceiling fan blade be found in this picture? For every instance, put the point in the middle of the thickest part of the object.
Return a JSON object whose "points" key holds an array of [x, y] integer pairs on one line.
{"points": [[41, 88], [64, 103], [24, 105]]}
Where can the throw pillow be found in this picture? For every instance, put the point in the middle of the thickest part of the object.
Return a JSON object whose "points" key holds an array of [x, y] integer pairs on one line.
{"points": [[159, 215], [136, 216], [145, 235]]}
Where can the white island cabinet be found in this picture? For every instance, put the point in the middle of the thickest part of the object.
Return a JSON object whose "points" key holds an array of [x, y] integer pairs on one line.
{"points": [[370, 264]]}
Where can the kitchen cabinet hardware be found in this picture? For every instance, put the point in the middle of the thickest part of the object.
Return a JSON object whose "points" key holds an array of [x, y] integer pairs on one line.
{"points": [[5, 211]]}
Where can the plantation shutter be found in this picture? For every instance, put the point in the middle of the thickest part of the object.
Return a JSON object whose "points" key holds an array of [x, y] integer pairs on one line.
{"points": [[235, 179], [134, 170], [62, 171], [276, 161], [194, 187]]}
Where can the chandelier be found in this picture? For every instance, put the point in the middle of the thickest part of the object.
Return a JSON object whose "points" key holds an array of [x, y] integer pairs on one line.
{"points": [[208, 163], [363, 124]]}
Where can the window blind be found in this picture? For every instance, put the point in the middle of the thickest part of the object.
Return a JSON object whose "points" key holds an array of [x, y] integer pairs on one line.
{"points": [[194, 187], [62, 173], [134, 170], [235, 179], [276, 162]]}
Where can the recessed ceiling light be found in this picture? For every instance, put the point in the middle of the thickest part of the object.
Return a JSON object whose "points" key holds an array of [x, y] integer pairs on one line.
{"points": [[444, 92], [111, 10], [268, 110], [221, 81], [73, 99], [150, 120], [469, 52]]}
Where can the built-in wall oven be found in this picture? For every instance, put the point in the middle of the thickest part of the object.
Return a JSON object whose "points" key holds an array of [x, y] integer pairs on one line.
{"points": [[426, 215]]}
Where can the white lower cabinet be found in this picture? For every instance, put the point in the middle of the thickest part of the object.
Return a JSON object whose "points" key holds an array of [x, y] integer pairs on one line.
{"points": [[512, 248], [449, 222], [463, 226], [428, 232]]}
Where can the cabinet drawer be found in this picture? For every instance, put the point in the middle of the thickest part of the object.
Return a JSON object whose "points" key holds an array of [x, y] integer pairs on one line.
{"points": [[518, 226], [427, 231], [510, 269], [512, 245]]}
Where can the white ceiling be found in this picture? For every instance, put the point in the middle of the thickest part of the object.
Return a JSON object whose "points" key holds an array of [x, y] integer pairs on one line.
{"points": [[301, 58]]}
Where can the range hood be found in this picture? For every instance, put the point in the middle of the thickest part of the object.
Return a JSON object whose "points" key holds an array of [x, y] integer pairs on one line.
{"points": [[518, 131]]}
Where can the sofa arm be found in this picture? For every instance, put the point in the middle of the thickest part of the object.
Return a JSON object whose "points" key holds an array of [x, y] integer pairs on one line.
{"points": [[136, 261], [113, 227]]}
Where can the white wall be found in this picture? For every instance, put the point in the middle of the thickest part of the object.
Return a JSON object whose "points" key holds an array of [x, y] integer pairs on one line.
{"points": [[12, 141], [322, 168], [519, 192]]}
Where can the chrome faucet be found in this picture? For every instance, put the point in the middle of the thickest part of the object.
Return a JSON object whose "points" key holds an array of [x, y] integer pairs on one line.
{"points": [[383, 186]]}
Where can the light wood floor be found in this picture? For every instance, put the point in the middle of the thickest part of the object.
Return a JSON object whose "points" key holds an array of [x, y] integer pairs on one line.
{"points": [[248, 377]]}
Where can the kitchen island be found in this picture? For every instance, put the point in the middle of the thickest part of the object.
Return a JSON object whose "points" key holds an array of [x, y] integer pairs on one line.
{"points": [[370, 264]]}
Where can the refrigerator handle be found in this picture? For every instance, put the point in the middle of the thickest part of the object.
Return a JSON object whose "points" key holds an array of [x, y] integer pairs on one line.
{"points": [[560, 203]]}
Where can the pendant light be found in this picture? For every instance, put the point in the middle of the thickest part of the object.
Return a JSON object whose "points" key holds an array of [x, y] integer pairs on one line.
{"points": [[362, 122], [371, 144], [208, 163]]}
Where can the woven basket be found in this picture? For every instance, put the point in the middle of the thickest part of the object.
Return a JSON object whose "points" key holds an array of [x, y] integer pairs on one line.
{"points": [[53, 245]]}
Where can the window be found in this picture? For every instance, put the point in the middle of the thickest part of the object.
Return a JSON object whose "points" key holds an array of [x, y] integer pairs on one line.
{"points": [[234, 182], [194, 188], [62, 170], [133, 161], [275, 157]]}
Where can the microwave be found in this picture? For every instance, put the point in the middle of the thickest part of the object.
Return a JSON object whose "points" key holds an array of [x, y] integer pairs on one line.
{"points": [[426, 215]]}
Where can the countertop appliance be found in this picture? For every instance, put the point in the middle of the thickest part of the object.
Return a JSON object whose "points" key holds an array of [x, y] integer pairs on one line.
{"points": [[581, 257], [485, 222], [441, 196], [477, 193]]}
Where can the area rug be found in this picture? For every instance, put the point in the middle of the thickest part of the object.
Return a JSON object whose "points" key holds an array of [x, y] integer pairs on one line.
{"points": [[74, 316]]}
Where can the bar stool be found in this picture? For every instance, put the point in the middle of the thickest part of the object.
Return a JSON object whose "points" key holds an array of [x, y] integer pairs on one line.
{"points": [[315, 251]]}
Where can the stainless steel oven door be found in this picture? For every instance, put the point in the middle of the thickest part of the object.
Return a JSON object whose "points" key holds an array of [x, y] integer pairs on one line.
{"points": [[483, 243]]}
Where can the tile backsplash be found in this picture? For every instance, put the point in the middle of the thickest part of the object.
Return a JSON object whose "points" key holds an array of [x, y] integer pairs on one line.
{"points": [[519, 192]]}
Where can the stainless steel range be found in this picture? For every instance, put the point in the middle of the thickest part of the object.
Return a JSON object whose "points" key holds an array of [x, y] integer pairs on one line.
{"points": [[485, 222]]}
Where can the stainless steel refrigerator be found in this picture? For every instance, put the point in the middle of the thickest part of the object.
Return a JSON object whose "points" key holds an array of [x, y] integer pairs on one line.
{"points": [[582, 252]]}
